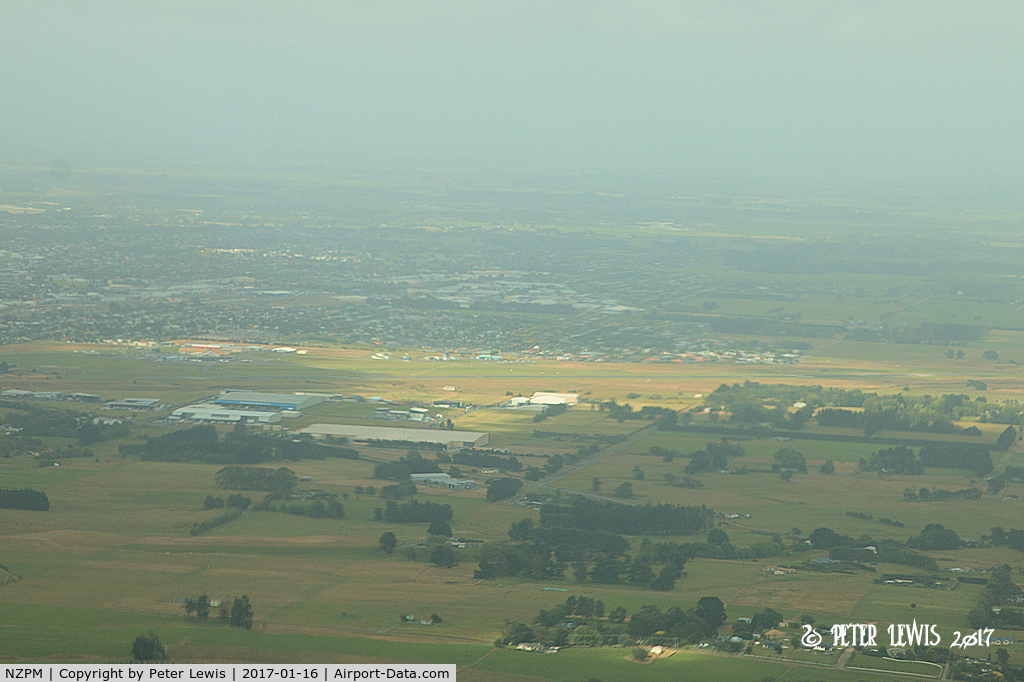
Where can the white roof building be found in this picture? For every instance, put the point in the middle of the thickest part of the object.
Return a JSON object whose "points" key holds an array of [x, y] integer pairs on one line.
{"points": [[545, 398], [465, 439], [206, 412], [442, 480]]}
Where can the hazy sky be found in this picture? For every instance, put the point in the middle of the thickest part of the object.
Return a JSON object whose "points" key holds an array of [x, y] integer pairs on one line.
{"points": [[829, 88]]}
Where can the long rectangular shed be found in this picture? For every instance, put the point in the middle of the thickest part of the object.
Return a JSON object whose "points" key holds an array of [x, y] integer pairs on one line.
{"points": [[465, 439], [254, 400], [205, 412]]}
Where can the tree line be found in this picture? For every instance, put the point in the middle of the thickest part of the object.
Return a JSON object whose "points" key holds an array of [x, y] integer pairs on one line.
{"points": [[902, 460], [415, 512], [401, 470], [486, 460], [648, 519], [200, 527], [241, 502], [318, 509], [203, 444]]}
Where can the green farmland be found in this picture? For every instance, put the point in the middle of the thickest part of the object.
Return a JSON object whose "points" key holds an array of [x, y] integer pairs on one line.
{"points": [[113, 556]]}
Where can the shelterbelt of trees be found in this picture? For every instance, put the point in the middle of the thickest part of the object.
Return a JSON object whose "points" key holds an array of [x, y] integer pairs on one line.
{"points": [[203, 444]]}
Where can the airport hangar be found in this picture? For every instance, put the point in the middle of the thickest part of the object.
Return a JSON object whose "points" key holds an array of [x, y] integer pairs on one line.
{"points": [[450, 439], [254, 400]]}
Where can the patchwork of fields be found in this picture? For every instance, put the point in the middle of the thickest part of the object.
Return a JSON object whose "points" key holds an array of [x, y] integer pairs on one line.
{"points": [[113, 556]]}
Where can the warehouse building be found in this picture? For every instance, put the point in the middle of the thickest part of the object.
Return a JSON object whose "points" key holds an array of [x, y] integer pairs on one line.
{"points": [[207, 412], [440, 480], [449, 439], [547, 398], [142, 404], [252, 400], [84, 398], [34, 395]]}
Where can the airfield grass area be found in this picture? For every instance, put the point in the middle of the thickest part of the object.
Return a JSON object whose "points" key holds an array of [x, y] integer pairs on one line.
{"points": [[113, 555]]}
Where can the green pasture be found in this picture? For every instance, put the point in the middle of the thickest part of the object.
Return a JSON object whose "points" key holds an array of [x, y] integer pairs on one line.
{"points": [[615, 664], [962, 310], [888, 604], [113, 553], [912, 667], [63, 633], [808, 500]]}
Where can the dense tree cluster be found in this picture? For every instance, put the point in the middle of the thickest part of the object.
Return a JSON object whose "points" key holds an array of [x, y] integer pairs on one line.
{"points": [[596, 556], [412, 463], [502, 488], [416, 512], [788, 459], [974, 458], [582, 621], [25, 498], [649, 519], [1013, 538], [846, 548], [897, 460], [647, 412], [901, 459], [713, 457], [935, 536], [398, 490], [443, 556], [203, 444], [38, 422], [482, 460], [148, 648], [1006, 438], [280, 481], [999, 592], [388, 542]]}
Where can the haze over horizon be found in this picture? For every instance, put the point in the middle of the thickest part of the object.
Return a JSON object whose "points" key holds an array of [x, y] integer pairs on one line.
{"points": [[838, 92]]}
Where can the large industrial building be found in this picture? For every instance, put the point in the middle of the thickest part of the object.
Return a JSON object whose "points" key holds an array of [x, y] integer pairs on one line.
{"points": [[252, 400], [542, 399], [136, 404], [441, 480], [232, 406], [208, 412], [34, 395], [451, 439], [548, 398]]}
